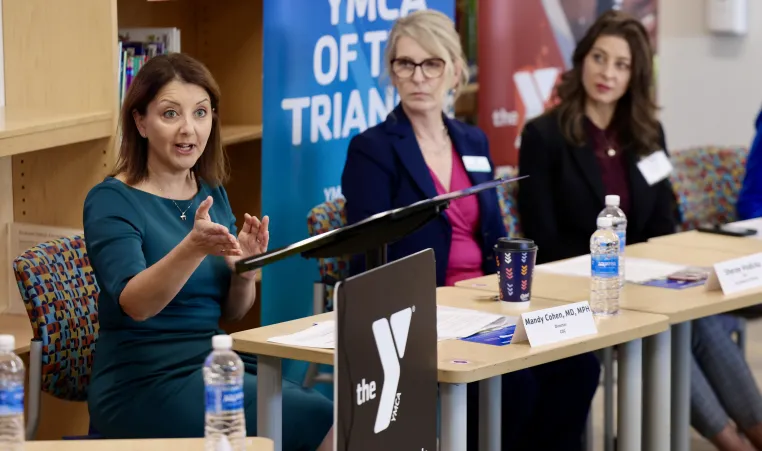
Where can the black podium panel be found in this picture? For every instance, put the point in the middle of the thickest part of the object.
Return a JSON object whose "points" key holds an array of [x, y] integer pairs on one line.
{"points": [[386, 357]]}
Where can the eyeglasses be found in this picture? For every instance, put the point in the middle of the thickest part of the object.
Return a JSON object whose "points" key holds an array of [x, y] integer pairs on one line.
{"points": [[431, 67]]}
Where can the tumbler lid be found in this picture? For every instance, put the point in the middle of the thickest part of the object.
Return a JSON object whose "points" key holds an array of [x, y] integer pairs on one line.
{"points": [[515, 244]]}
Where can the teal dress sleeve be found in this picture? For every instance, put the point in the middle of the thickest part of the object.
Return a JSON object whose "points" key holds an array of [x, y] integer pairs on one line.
{"points": [[113, 228]]}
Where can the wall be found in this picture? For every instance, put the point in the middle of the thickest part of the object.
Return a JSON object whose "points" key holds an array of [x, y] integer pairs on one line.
{"points": [[709, 87]]}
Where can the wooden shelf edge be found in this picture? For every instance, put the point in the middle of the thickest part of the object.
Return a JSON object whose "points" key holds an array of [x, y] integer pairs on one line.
{"points": [[234, 134], [29, 136]]}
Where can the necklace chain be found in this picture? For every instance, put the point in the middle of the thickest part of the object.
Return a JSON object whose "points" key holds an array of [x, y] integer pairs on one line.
{"points": [[182, 212]]}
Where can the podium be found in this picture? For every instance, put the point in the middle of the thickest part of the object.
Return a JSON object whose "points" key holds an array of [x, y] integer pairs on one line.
{"points": [[371, 237], [385, 383]]}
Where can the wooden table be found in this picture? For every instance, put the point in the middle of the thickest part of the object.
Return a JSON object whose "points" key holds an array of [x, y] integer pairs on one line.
{"points": [[484, 363], [695, 239], [680, 306], [193, 444], [20, 327]]}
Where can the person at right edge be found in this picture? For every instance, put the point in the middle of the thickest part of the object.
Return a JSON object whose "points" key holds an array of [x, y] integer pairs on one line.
{"points": [[587, 146], [749, 204]]}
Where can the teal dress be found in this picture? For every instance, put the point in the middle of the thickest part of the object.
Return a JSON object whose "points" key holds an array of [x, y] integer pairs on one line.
{"points": [[147, 375]]}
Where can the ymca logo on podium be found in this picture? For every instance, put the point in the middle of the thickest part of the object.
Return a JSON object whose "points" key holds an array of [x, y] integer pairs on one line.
{"points": [[391, 340]]}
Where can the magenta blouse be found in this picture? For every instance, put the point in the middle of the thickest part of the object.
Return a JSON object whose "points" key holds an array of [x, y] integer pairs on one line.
{"points": [[465, 260]]}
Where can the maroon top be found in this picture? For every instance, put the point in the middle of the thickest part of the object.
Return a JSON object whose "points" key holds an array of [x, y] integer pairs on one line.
{"points": [[614, 173]]}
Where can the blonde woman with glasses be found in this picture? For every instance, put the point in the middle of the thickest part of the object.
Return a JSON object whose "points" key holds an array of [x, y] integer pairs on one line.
{"points": [[418, 153]]}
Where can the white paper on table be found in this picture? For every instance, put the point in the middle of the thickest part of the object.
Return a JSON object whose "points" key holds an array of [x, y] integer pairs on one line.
{"points": [[320, 335], [451, 323], [460, 323], [636, 270]]}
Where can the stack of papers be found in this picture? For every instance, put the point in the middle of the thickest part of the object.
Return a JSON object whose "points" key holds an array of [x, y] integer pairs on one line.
{"points": [[636, 270], [452, 323], [460, 323]]}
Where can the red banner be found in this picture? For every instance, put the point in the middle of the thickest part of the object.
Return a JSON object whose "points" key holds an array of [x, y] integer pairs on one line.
{"points": [[523, 48]]}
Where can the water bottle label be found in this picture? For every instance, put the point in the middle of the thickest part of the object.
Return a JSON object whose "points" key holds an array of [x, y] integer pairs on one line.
{"points": [[226, 398], [12, 400], [605, 266], [622, 240]]}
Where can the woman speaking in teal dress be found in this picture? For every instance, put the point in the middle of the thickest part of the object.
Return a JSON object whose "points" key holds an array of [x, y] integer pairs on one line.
{"points": [[162, 240]]}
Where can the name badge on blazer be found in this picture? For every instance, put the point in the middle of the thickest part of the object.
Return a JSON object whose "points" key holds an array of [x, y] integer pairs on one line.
{"points": [[474, 163], [655, 167]]}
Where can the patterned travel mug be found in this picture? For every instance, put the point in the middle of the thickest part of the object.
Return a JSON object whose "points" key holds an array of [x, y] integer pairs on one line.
{"points": [[515, 266]]}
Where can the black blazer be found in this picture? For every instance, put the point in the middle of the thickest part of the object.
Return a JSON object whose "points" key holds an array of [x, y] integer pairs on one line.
{"points": [[560, 201], [385, 169]]}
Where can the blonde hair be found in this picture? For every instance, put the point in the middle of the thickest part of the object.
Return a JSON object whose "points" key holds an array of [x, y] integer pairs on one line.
{"points": [[436, 33]]}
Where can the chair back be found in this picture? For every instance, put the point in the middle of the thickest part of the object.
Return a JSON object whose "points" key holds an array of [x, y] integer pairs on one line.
{"points": [[706, 181], [327, 216], [60, 293], [507, 197]]}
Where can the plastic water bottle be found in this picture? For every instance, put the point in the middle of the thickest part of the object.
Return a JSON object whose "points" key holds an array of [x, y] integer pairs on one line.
{"points": [[11, 396], [619, 221], [225, 428], [604, 281]]}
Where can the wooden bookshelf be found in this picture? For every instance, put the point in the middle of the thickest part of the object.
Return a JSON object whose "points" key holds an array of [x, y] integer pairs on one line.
{"points": [[22, 132], [236, 134]]}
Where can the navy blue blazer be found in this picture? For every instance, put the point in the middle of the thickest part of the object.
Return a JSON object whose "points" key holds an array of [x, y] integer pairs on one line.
{"points": [[385, 169]]}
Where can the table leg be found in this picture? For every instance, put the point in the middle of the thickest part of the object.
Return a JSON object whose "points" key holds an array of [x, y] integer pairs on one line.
{"points": [[630, 392], [454, 417], [490, 410], [270, 400], [608, 399], [657, 352], [681, 386]]}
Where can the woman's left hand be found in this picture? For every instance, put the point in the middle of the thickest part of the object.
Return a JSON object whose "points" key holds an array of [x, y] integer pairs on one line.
{"points": [[253, 240]]}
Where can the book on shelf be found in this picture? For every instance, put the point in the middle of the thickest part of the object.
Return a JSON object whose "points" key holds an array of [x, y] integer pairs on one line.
{"points": [[138, 45]]}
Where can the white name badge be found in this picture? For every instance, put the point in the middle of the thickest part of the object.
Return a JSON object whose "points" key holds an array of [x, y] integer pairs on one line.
{"points": [[736, 275], [655, 167], [474, 163], [555, 324]]}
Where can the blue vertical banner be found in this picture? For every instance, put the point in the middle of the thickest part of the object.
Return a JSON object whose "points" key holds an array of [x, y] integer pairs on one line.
{"points": [[323, 83]]}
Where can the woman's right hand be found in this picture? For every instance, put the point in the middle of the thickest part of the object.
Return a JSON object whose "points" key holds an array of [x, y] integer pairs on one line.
{"points": [[210, 238]]}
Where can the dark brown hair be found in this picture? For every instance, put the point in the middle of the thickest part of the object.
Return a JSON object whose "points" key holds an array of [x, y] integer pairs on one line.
{"points": [[634, 119], [212, 165]]}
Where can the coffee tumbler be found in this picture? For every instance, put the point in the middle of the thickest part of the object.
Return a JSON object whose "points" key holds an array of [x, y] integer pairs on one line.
{"points": [[515, 265]]}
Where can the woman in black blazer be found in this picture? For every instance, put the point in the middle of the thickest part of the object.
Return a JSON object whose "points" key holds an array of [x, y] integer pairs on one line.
{"points": [[589, 146]]}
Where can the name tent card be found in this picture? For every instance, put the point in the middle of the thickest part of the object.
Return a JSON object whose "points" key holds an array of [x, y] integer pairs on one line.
{"points": [[555, 324], [736, 275]]}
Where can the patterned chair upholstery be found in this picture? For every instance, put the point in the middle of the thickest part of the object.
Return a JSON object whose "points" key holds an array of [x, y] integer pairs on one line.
{"points": [[323, 218], [707, 181], [60, 293], [507, 199]]}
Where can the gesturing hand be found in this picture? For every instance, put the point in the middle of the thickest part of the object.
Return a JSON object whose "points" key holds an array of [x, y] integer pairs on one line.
{"points": [[253, 240], [212, 238]]}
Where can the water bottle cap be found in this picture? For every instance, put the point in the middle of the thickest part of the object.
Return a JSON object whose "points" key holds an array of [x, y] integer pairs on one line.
{"points": [[612, 200], [604, 222], [222, 342], [7, 343]]}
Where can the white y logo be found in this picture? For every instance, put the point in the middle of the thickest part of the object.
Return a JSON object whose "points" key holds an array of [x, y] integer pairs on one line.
{"points": [[387, 334], [535, 88]]}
